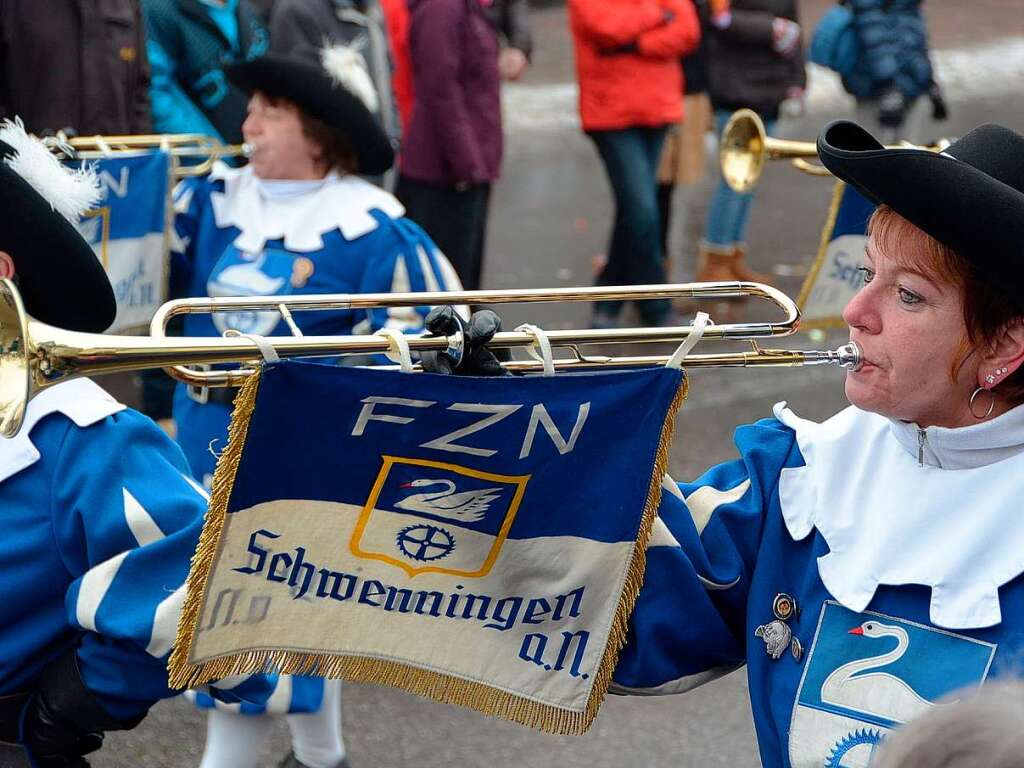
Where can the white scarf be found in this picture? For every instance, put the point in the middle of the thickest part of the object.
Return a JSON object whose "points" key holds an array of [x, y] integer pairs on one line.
{"points": [[298, 212], [952, 524]]}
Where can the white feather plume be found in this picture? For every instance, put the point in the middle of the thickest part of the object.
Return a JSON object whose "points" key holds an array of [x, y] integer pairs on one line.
{"points": [[69, 192], [347, 68]]}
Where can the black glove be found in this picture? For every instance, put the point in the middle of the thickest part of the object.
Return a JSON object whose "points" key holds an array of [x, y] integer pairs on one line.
{"points": [[477, 359], [62, 721], [939, 109], [892, 108], [620, 49]]}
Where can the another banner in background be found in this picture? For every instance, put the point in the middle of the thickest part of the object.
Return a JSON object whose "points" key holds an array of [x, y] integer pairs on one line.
{"points": [[834, 277], [129, 232], [479, 541]]}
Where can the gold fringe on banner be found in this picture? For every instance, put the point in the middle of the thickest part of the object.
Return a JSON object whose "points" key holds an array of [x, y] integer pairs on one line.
{"points": [[441, 687], [181, 674]]}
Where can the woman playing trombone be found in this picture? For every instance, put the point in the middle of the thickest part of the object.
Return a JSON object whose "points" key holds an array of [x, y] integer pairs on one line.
{"points": [[296, 220], [863, 567]]}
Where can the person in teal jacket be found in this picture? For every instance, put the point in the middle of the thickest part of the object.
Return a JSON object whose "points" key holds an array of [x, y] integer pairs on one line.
{"points": [[189, 42]]}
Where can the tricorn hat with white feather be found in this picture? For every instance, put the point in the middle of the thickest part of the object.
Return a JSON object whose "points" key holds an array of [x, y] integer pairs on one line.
{"points": [[335, 87], [59, 277]]}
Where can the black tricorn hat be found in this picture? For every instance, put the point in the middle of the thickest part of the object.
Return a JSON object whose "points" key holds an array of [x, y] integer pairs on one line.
{"points": [[61, 281], [969, 197], [308, 83]]}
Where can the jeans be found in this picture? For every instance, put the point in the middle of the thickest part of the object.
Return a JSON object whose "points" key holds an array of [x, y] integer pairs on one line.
{"points": [[456, 221], [630, 158], [729, 211]]}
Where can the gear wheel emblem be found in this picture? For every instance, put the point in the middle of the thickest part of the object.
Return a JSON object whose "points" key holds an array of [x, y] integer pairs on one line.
{"points": [[425, 542]]}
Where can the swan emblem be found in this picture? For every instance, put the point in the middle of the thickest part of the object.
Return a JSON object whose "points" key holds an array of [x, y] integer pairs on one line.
{"points": [[464, 507], [246, 279], [853, 687]]}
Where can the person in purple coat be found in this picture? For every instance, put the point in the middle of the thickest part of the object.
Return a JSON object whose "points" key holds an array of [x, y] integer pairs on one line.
{"points": [[452, 149]]}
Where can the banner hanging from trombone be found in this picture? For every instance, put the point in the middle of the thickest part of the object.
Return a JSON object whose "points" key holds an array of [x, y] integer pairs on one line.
{"points": [[129, 231], [479, 541], [834, 277]]}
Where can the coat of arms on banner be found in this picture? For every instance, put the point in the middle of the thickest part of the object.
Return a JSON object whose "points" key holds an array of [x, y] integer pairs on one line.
{"points": [[868, 673], [427, 516], [480, 541]]}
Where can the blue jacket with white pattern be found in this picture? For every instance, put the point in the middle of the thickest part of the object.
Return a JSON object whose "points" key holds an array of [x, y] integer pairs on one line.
{"points": [[101, 521], [719, 559]]}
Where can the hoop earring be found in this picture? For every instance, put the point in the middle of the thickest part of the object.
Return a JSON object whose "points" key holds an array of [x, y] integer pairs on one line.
{"points": [[991, 403]]}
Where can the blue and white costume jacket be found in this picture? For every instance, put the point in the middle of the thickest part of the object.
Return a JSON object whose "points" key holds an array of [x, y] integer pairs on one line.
{"points": [[100, 523], [861, 569], [238, 235]]}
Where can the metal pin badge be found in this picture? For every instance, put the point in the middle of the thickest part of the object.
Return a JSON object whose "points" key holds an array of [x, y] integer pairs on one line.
{"points": [[784, 607], [778, 638]]}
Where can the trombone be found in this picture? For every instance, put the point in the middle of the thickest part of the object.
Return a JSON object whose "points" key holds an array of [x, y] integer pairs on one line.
{"points": [[34, 355], [180, 145], [745, 147]]}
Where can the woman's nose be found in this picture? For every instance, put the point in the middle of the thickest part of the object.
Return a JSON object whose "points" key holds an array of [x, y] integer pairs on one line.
{"points": [[861, 311]]}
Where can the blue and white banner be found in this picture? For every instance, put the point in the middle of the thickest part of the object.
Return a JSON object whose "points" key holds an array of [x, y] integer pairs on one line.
{"points": [[834, 277], [128, 231], [474, 540]]}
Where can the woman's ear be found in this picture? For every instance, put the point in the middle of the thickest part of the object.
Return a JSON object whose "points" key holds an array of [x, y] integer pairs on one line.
{"points": [[1005, 356], [6, 265]]}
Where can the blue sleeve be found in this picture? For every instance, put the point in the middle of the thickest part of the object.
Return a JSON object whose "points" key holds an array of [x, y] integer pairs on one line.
{"points": [[126, 520], [689, 623], [401, 258], [173, 110], [188, 199]]}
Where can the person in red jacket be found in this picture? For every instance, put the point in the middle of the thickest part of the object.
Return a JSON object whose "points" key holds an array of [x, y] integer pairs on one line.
{"points": [[631, 86]]}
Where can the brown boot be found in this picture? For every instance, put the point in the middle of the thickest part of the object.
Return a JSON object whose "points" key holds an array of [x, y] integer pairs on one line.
{"points": [[741, 271], [715, 263]]}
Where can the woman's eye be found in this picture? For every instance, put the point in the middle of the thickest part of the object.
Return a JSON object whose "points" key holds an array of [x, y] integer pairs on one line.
{"points": [[867, 274], [909, 297]]}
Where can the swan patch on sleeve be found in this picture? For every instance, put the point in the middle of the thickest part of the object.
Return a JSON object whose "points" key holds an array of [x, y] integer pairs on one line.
{"points": [[867, 673]]}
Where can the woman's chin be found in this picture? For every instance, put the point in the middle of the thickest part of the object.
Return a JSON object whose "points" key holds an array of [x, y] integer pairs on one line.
{"points": [[863, 395]]}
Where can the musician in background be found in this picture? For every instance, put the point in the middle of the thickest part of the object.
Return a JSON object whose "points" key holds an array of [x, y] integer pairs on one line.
{"points": [[297, 220], [100, 515]]}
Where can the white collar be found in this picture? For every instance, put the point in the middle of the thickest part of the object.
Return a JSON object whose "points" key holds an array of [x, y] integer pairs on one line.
{"points": [[342, 203], [888, 521], [964, 447], [81, 400]]}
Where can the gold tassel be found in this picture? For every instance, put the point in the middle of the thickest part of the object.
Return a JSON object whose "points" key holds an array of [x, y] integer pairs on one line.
{"points": [[180, 672], [433, 685]]}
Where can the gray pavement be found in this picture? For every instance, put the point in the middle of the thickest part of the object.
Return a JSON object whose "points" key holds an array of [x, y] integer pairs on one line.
{"points": [[550, 216]]}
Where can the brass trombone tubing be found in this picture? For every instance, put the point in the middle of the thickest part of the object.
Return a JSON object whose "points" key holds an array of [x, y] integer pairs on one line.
{"points": [[745, 147], [178, 145], [312, 346], [34, 355]]}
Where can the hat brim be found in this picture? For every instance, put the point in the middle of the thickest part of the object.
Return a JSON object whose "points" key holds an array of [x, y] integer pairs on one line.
{"points": [[961, 206], [309, 86], [61, 281]]}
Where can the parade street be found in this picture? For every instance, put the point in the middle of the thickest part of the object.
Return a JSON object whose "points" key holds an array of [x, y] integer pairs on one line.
{"points": [[549, 220]]}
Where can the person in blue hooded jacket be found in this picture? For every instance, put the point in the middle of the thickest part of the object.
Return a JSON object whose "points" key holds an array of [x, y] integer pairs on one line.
{"points": [[893, 81], [101, 516], [863, 568]]}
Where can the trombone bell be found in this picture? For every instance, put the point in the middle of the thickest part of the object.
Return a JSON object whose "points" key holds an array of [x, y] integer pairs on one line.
{"points": [[745, 147], [15, 374]]}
